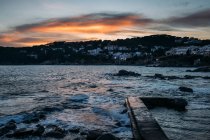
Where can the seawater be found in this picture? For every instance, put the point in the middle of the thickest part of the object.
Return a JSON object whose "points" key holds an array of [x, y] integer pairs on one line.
{"points": [[24, 89]]}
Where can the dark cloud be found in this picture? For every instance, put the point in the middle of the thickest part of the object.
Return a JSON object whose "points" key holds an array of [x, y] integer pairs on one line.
{"points": [[198, 19], [90, 19]]}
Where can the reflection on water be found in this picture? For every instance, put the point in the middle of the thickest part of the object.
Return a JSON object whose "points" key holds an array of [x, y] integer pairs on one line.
{"points": [[25, 89]]}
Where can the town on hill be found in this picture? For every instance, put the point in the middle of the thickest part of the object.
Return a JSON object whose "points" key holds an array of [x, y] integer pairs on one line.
{"points": [[154, 50]]}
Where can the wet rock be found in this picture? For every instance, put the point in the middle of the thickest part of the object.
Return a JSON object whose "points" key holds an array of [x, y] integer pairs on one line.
{"points": [[126, 73], [110, 90], [201, 69], [160, 76], [79, 98], [33, 117], [3, 131], [11, 125], [118, 124], [94, 134], [52, 108], [107, 137], [185, 89], [190, 77], [23, 132], [93, 86], [174, 103], [39, 130], [74, 130], [55, 132], [124, 111]]}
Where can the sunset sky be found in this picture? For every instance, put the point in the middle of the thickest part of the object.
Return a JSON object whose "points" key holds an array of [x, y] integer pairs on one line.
{"points": [[33, 22]]}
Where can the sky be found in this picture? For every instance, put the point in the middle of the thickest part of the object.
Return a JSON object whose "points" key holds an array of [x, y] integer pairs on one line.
{"points": [[34, 22]]}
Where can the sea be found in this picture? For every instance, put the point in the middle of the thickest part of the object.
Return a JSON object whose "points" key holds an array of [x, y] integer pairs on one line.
{"points": [[91, 98]]}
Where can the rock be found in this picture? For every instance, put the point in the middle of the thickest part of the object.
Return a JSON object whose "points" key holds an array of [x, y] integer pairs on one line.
{"points": [[3, 131], [23, 132], [39, 130], [79, 98], [55, 132], [160, 76], [126, 73], [33, 117], [174, 103], [185, 89], [201, 69], [110, 90], [52, 109], [11, 125], [94, 134], [107, 137], [189, 77], [74, 130], [93, 86], [124, 111]]}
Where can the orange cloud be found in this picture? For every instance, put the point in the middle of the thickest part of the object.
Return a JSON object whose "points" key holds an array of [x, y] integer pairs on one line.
{"points": [[87, 26]]}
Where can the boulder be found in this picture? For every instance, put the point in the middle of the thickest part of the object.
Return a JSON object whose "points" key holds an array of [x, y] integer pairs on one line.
{"points": [[23, 132], [74, 130], [33, 117], [201, 69], [94, 134], [11, 125], [39, 130], [185, 89], [107, 137], [55, 132], [126, 73], [160, 76], [173, 103]]}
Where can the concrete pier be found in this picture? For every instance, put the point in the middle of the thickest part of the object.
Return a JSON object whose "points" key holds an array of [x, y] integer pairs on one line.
{"points": [[144, 125]]}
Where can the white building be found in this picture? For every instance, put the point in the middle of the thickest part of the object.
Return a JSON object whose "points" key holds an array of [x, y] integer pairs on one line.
{"points": [[95, 52]]}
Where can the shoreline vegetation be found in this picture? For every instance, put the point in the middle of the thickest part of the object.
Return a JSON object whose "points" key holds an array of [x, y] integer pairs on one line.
{"points": [[155, 51]]}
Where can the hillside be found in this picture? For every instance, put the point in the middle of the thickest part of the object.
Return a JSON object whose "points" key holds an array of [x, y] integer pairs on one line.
{"points": [[155, 50]]}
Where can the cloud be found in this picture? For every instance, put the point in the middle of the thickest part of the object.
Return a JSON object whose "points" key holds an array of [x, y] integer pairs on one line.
{"points": [[73, 28], [92, 23], [198, 19]]}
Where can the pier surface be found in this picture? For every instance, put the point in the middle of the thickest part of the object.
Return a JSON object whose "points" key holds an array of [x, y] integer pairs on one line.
{"points": [[144, 125]]}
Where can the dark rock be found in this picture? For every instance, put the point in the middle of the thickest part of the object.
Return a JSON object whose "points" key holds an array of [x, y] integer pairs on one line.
{"points": [[206, 77], [189, 77], [33, 117], [23, 132], [110, 90], [55, 132], [118, 124], [79, 98], [3, 131], [201, 69], [126, 73], [39, 130], [11, 125], [124, 111], [172, 77], [74, 130], [107, 137], [93, 86], [52, 109], [73, 105], [94, 134], [185, 89], [160, 76], [174, 103]]}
